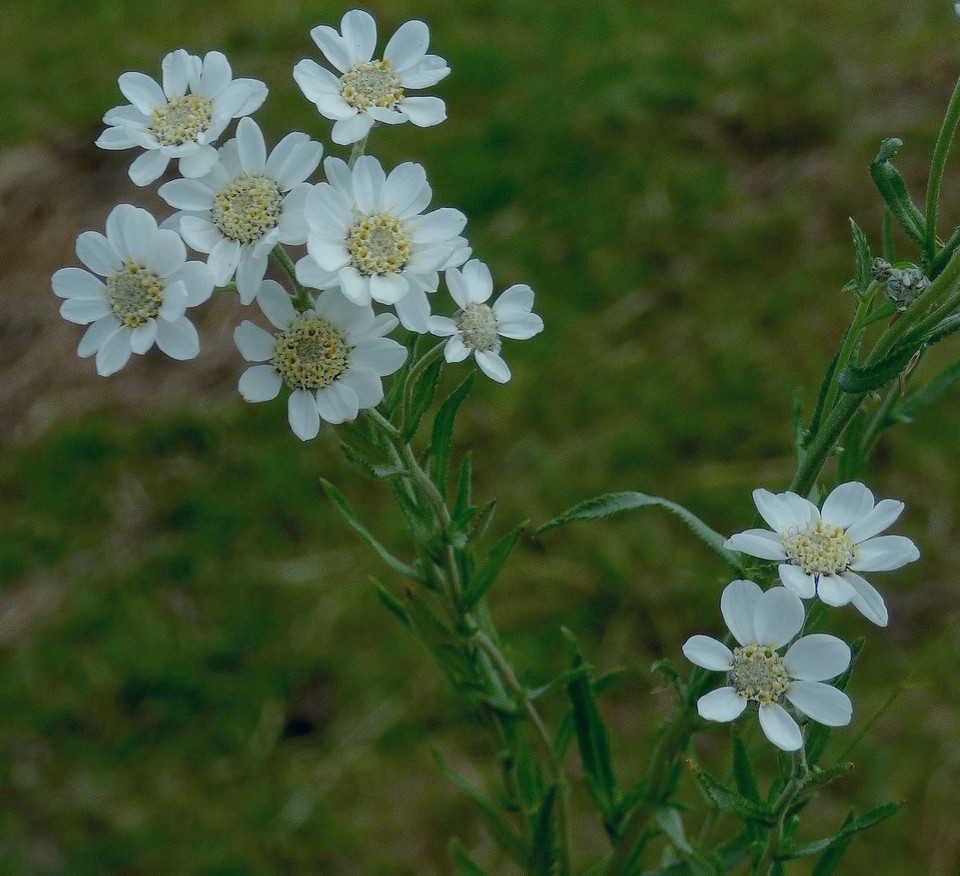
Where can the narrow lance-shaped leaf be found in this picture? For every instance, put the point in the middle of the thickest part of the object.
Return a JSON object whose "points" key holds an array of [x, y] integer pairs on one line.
{"points": [[929, 392], [743, 770], [864, 258], [442, 438], [543, 851], [857, 380], [891, 186], [731, 802], [618, 503], [466, 866], [422, 396], [481, 580]]}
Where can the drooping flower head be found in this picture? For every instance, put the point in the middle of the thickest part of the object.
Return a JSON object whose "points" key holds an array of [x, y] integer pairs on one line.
{"points": [[247, 204], [146, 287], [478, 327], [368, 236], [370, 90], [821, 550], [332, 357], [763, 622], [182, 118]]}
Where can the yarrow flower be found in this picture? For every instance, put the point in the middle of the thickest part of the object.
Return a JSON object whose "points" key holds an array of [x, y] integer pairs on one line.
{"points": [[763, 622], [821, 550], [181, 119], [369, 237], [148, 284], [246, 204], [478, 327], [368, 90], [331, 357]]}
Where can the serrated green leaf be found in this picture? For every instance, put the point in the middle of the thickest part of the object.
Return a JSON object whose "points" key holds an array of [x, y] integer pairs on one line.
{"points": [[618, 503], [743, 769], [666, 668], [463, 497], [484, 577], [894, 191], [927, 394], [732, 802], [863, 256], [465, 865], [360, 462], [394, 605], [856, 380], [354, 523], [852, 825], [422, 397], [442, 438]]}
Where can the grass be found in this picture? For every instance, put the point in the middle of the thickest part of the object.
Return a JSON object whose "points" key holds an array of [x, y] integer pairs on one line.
{"points": [[195, 676]]}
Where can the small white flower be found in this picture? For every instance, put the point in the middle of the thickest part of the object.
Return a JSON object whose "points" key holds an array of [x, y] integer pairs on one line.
{"points": [[246, 204], [148, 284], [478, 327], [332, 357], [820, 551], [369, 90], [763, 622], [368, 236], [181, 119]]}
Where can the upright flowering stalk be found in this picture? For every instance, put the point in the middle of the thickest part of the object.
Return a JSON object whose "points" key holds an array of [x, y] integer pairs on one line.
{"points": [[182, 118], [821, 550], [247, 204], [146, 287], [369, 91], [331, 357], [369, 237], [478, 327], [764, 622]]}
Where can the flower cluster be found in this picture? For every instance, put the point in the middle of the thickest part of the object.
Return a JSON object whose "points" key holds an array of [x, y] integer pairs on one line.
{"points": [[819, 552], [374, 252]]}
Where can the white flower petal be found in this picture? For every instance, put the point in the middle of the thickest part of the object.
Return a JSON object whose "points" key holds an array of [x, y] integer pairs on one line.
{"points": [[389, 289], [424, 112], [260, 383], [455, 350], [846, 504], [834, 590], [76, 283], [493, 365], [350, 130], [114, 352], [381, 355], [143, 336], [276, 304], [405, 191], [359, 32], [883, 515], [338, 402], [868, 600], [251, 148], [708, 653], [302, 414], [178, 339], [198, 162], [96, 334], [738, 607], [223, 260], [408, 45], [148, 167], [332, 45], [250, 273], [368, 183], [820, 701], [774, 510], [429, 70], [142, 91], [98, 253], [883, 553], [437, 226], [722, 704], [254, 344], [757, 543], [779, 727], [85, 310], [794, 578], [413, 309], [366, 384], [779, 617], [187, 194], [817, 657]]}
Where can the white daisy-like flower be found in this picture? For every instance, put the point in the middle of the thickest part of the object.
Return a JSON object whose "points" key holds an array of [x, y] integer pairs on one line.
{"points": [[477, 328], [182, 118], [763, 622], [368, 90], [146, 287], [331, 357], [368, 235], [821, 550], [247, 204]]}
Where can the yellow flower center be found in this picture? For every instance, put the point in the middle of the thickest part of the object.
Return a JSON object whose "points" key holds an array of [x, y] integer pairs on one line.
{"points": [[818, 548], [758, 673], [311, 353], [478, 327], [378, 244], [181, 120], [135, 294], [372, 83], [247, 207]]}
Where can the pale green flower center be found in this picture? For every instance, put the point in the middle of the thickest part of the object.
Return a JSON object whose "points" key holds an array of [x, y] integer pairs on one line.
{"points": [[135, 293], [758, 673], [819, 548], [247, 207], [477, 325], [372, 83], [311, 353], [182, 119], [378, 244]]}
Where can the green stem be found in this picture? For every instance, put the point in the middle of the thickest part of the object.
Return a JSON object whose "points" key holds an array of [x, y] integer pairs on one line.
{"points": [[937, 166], [848, 345], [800, 772], [302, 299], [357, 151]]}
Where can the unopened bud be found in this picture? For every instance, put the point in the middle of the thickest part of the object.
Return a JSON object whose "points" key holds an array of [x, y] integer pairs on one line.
{"points": [[905, 285]]}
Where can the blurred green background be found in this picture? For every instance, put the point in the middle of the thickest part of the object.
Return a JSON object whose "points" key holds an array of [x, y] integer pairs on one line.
{"points": [[195, 676]]}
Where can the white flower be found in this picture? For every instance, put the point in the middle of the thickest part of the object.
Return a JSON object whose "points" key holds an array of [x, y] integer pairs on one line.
{"points": [[763, 622], [332, 357], [183, 118], [477, 327], [148, 284], [246, 204], [369, 237], [369, 90], [820, 551]]}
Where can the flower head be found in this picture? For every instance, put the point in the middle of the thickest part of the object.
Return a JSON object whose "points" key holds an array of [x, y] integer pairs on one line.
{"points": [[332, 358], [372, 90], [369, 237], [182, 118], [146, 287], [247, 204], [478, 327], [821, 550], [763, 622]]}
